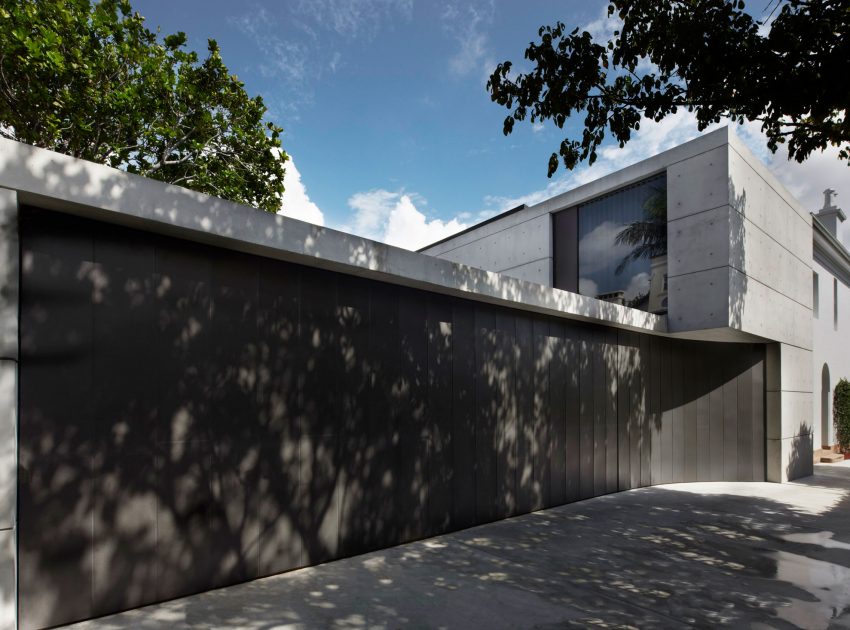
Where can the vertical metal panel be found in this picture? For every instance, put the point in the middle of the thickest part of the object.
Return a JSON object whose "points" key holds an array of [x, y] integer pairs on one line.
{"points": [[440, 472], [463, 413], [486, 413], [757, 370], [384, 415], [412, 447], [665, 384], [278, 400], [504, 381], [691, 384], [610, 350], [702, 378], [586, 412], [187, 510], [557, 412], [319, 450], [600, 400], [744, 437], [656, 450], [730, 426], [525, 412], [677, 417], [572, 373], [565, 246], [55, 427], [542, 443], [646, 419], [359, 511], [235, 434], [715, 413], [124, 427], [636, 408], [625, 377]]}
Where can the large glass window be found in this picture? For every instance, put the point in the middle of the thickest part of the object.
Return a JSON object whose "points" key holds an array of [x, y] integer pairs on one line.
{"points": [[622, 246]]}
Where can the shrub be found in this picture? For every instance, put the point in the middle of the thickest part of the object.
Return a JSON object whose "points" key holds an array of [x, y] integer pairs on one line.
{"points": [[841, 414]]}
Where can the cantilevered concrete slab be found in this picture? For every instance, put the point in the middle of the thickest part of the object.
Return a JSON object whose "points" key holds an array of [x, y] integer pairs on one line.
{"points": [[54, 181]]}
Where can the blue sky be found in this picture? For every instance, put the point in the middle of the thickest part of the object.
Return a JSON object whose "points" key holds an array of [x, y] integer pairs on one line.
{"points": [[386, 116]]}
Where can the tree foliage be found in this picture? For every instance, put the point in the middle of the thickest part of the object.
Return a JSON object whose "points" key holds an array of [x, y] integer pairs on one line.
{"points": [[710, 57], [841, 414], [91, 81]]}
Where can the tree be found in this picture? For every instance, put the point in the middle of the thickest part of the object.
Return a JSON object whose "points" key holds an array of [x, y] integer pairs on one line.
{"points": [[710, 57], [91, 81]]}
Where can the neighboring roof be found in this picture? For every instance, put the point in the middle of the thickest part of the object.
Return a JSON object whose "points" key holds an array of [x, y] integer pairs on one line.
{"points": [[501, 215]]}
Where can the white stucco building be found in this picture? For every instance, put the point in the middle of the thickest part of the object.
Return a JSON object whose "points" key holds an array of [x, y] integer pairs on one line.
{"points": [[830, 316]]}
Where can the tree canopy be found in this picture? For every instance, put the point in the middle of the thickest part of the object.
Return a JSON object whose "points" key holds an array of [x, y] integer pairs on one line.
{"points": [[787, 70], [92, 81]]}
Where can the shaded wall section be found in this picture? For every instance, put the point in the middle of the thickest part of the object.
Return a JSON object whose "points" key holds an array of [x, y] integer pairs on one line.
{"points": [[192, 417]]}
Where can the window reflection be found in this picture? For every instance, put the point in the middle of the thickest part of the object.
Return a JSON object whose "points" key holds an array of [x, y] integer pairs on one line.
{"points": [[622, 246]]}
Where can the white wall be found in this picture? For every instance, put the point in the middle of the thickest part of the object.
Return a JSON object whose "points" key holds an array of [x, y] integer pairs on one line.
{"points": [[831, 347]]}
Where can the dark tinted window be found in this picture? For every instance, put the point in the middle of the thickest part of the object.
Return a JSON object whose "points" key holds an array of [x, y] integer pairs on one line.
{"points": [[622, 246]]}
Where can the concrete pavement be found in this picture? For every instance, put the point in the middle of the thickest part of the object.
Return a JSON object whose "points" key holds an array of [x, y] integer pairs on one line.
{"points": [[738, 554]]}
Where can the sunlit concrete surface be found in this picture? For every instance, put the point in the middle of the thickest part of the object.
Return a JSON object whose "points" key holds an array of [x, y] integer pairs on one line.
{"points": [[738, 554]]}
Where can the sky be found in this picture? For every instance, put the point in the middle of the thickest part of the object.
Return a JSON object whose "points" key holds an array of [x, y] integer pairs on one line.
{"points": [[387, 120]]}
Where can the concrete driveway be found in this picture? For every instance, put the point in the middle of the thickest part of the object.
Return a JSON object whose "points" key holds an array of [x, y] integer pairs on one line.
{"points": [[738, 554]]}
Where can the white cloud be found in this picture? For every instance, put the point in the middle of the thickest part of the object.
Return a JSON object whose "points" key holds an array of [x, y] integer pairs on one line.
{"points": [[353, 18], [586, 286], [466, 24], [296, 202], [393, 218], [638, 285], [596, 250]]}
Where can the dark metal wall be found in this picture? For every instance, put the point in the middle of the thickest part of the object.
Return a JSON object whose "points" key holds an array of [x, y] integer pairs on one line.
{"points": [[191, 417]]}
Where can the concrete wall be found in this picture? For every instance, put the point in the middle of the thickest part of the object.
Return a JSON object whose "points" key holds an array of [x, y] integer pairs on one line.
{"points": [[193, 417], [519, 249], [9, 289], [739, 265]]}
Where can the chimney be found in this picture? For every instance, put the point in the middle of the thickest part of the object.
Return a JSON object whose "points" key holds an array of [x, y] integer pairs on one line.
{"points": [[830, 215]]}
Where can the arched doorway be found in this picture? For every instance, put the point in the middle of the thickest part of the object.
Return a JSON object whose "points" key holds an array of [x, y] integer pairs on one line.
{"points": [[825, 408]]}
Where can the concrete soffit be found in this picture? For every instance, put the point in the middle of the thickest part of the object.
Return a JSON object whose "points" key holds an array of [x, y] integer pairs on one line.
{"points": [[58, 182]]}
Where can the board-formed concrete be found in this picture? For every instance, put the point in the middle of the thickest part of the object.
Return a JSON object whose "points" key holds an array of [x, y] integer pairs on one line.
{"points": [[703, 555]]}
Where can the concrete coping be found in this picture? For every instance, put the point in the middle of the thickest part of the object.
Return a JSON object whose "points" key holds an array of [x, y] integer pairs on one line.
{"points": [[58, 182]]}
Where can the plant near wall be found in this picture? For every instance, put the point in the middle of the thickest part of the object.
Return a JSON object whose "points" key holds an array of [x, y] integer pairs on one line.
{"points": [[841, 414], [90, 80]]}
